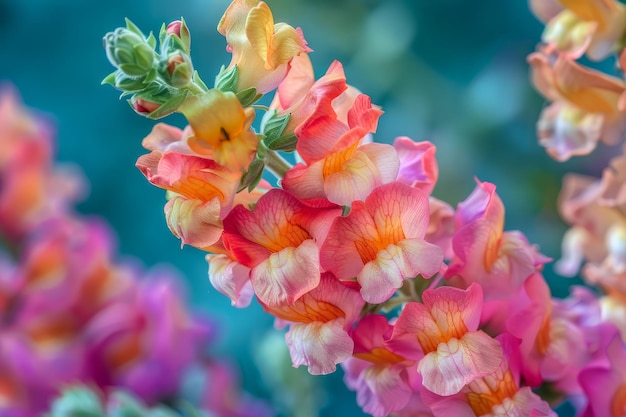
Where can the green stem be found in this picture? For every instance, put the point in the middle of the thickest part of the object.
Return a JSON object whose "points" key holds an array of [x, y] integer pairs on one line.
{"points": [[276, 164]]}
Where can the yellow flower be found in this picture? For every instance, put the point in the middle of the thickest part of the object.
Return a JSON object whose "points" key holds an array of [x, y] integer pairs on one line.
{"points": [[261, 49], [221, 128]]}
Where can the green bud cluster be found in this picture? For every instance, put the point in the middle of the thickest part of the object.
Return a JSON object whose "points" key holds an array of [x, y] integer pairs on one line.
{"points": [[163, 79], [130, 52], [160, 80]]}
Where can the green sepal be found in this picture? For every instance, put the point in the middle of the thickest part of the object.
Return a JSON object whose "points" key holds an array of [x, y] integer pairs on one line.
{"points": [[169, 106], [127, 84], [151, 76], [285, 143], [198, 81], [226, 80], [144, 56], [185, 35], [248, 96], [253, 176], [182, 75], [172, 44], [274, 126], [133, 28], [162, 33], [156, 93], [109, 79], [183, 71], [151, 40]]}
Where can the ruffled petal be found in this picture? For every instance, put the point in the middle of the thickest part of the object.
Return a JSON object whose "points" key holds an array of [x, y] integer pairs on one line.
{"points": [[288, 274], [231, 279], [382, 390], [381, 277], [459, 361], [318, 345]]}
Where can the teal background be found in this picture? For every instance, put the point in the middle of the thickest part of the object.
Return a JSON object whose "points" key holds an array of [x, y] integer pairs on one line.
{"points": [[449, 71]]}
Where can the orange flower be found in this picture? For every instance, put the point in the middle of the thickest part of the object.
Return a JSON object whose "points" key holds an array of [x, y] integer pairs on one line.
{"points": [[584, 88], [261, 49]]}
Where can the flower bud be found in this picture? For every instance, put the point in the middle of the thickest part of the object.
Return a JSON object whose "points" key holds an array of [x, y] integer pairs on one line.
{"points": [[180, 69], [174, 28], [177, 37], [142, 106], [125, 83], [129, 52]]}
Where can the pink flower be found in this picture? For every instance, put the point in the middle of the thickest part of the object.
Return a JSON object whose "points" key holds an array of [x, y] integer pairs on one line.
{"points": [[203, 194], [499, 261], [496, 394], [418, 166], [337, 166], [381, 242], [145, 344], [345, 176], [441, 226], [380, 373], [566, 131], [605, 385], [33, 189], [277, 240], [318, 324], [303, 98], [552, 348], [445, 326], [231, 279]]}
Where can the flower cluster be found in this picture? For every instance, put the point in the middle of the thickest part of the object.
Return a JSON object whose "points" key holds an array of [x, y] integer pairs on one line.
{"points": [[430, 310], [69, 312], [587, 105]]}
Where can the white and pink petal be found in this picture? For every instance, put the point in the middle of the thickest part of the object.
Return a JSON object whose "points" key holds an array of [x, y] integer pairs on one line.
{"points": [[319, 345], [458, 362], [288, 274]]}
